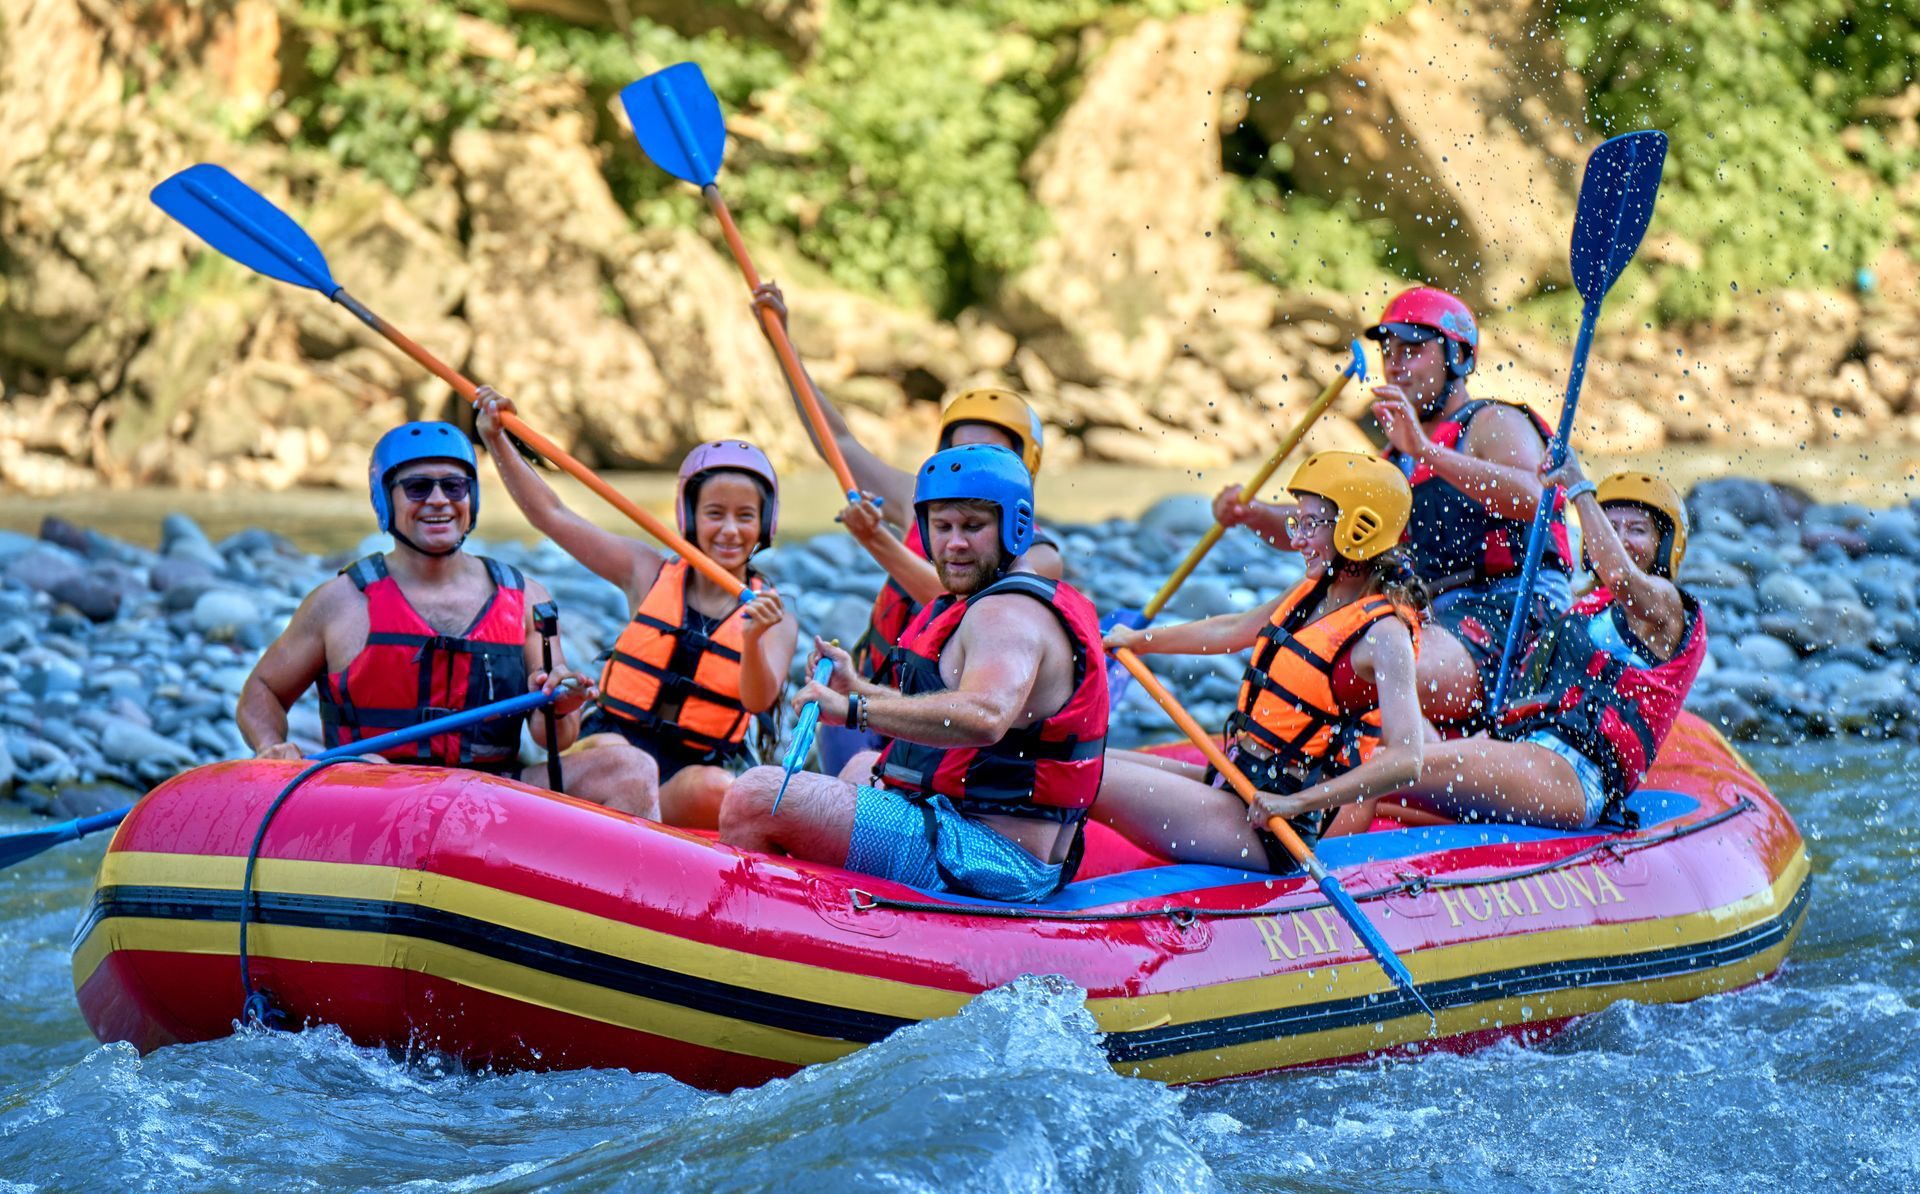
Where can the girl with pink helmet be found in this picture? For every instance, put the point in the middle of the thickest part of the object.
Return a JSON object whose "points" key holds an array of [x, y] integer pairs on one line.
{"points": [[693, 666]]}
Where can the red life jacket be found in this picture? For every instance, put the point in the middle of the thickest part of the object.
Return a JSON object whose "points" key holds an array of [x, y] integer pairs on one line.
{"points": [[409, 673], [1454, 539], [893, 612], [1049, 771], [1580, 684]]}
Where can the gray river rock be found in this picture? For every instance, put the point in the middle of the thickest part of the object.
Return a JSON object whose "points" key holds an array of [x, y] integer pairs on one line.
{"points": [[119, 664]]}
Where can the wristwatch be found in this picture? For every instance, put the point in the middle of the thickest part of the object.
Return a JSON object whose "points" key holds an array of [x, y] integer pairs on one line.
{"points": [[1580, 490]]}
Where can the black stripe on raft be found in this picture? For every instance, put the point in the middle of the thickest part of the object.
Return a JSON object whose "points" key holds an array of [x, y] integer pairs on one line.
{"points": [[825, 1020], [544, 954]]}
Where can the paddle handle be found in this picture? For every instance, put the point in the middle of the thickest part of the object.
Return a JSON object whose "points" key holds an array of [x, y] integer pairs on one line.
{"points": [[1241, 784], [782, 345], [1543, 513], [1329, 394]]}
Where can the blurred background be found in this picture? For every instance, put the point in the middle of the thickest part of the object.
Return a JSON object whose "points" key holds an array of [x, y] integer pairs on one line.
{"points": [[1163, 219]]}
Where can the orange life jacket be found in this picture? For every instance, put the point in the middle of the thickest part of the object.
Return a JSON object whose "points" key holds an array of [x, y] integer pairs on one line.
{"points": [[674, 678], [1287, 702]]}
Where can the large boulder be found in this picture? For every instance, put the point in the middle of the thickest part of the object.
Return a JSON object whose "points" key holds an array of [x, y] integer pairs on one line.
{"points": [[1462, 122], [1131, 177]]}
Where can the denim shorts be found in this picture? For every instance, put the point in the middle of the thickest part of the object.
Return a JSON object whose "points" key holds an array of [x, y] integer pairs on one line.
{"points": [[929, 845], [1593, 785]]}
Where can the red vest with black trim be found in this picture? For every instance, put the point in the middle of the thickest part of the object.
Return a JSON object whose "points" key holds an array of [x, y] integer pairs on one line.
{"points": [[893, 612], [674, 673], [1452, 536], [1050, 770], [1607, 706], [409, 673]]}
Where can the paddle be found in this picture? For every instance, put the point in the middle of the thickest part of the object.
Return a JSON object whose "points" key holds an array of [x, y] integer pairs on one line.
{"points": [[239, 222], [803, 732], [18, 847], [1139, 619], [676, 119], [1616, 202], [1329, 886]]}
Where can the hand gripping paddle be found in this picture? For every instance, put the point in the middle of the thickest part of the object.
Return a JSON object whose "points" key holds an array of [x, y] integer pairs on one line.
{"points": [[1616, 202]]}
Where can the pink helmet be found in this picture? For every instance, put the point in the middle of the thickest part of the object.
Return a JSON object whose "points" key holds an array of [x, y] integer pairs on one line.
{"points": [[1424, 311], [727, 455]]}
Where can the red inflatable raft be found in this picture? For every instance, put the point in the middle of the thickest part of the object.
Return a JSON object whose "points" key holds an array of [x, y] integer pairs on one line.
{"points": [[452, 911]]}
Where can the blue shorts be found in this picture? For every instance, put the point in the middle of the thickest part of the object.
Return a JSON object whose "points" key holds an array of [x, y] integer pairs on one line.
{"points": [[1593, 785], [891, 840]]}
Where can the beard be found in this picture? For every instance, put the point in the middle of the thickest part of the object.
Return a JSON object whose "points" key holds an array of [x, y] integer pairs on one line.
{"points": [[966, 579]]}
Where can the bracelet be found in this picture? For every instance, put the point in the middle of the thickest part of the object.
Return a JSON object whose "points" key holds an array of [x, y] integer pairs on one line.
{"points": [[1580, 490], [864, 709], [854, 715]]}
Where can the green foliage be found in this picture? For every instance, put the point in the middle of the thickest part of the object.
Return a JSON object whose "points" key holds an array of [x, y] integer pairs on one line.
{"points": [[1754, 97], [1306, 38], [1300, 242], [392, 82]]}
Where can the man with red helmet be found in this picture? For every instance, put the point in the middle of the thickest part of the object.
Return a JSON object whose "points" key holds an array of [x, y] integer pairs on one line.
{"points": [[1474, 465]]}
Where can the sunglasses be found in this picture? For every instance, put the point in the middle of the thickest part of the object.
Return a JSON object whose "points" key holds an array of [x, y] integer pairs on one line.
{"points": [[419, 489]]}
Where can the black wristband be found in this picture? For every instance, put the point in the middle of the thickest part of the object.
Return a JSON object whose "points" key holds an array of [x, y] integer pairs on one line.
{"points": [[852, 719]]}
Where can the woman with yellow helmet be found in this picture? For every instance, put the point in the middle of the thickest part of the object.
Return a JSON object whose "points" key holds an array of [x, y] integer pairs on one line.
{"points": [[1328, 717], [882, 521], [1602, 685]]}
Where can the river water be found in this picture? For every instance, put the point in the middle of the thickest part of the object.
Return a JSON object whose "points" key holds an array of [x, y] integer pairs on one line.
{"points": [[1806, 1082]]}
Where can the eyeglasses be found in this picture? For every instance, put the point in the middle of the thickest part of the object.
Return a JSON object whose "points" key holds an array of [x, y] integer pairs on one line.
{"points": [[1299, 524], [419, 489]]}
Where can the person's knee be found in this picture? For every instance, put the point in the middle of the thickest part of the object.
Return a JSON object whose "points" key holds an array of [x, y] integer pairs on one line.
{"points": [[622, 777], [747, 801], [860, 767]]}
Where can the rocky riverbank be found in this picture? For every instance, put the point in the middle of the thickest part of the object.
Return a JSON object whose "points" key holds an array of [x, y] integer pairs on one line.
{"points": [[119, 664]]}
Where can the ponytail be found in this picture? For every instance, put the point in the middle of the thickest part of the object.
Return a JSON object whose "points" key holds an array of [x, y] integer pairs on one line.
{"points": [[1400, 584]]}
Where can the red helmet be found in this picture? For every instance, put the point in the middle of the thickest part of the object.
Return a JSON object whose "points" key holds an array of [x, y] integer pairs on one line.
{"points": [[1419, 313]]}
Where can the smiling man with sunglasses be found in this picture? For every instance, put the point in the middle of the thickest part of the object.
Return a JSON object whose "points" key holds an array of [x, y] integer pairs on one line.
{"points": [[426, 630]]}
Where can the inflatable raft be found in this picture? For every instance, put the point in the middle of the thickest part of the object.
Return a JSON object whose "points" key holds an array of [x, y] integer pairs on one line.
{"points": [[450, 911]]}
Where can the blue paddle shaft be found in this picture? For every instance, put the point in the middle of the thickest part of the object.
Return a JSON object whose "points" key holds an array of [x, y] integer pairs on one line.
{"points": [[18, 847], [803, 734]]}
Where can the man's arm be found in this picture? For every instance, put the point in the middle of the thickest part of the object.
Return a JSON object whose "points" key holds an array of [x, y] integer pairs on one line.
{"points": [[1497, 463], [1004, 644], [870, 473], [288, 667]]}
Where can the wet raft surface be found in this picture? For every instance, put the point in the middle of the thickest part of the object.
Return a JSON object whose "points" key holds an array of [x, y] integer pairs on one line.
{"points": [[1809, 1079]]}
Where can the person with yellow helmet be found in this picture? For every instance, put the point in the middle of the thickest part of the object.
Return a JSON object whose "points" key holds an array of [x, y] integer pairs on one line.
{"points": [[1328, 717], [883, 521], [1602, 685], [1473, 464]]}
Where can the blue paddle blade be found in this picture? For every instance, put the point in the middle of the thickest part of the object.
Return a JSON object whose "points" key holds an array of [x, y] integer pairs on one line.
{"points": [[18, 847], [804, 731], [1357, 368], [1616, 202], [676, 118], [1371, 938], [233, 218]]}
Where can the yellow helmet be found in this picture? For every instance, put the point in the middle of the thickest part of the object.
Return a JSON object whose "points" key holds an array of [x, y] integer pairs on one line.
{"points": [[1662, 501], [997, 408], [1372, 495]]}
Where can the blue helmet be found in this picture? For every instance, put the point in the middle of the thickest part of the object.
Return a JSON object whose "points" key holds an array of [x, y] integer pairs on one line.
{"points": [[980, 473], [410, 443]]}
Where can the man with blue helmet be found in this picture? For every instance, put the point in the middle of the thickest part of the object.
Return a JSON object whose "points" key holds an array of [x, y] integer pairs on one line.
{"points": [[994, 741], [423, 631]]}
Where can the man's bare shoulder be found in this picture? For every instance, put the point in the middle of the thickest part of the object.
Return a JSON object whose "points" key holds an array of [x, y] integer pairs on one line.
{"points": [[333, 597]]}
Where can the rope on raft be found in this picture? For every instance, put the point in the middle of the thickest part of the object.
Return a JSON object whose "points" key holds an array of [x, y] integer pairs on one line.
{"points": [[1413, 885]]}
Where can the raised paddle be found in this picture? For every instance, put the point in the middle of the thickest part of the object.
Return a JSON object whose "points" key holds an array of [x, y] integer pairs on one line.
{"points": [[1329, 886], [803, 734], [239, 222], [676, 119], [18, 847], [1139, 619], [1616, 202]]}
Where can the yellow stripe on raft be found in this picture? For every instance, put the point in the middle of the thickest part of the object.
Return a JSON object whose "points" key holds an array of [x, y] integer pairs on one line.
{"points": [[554, 922]]}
